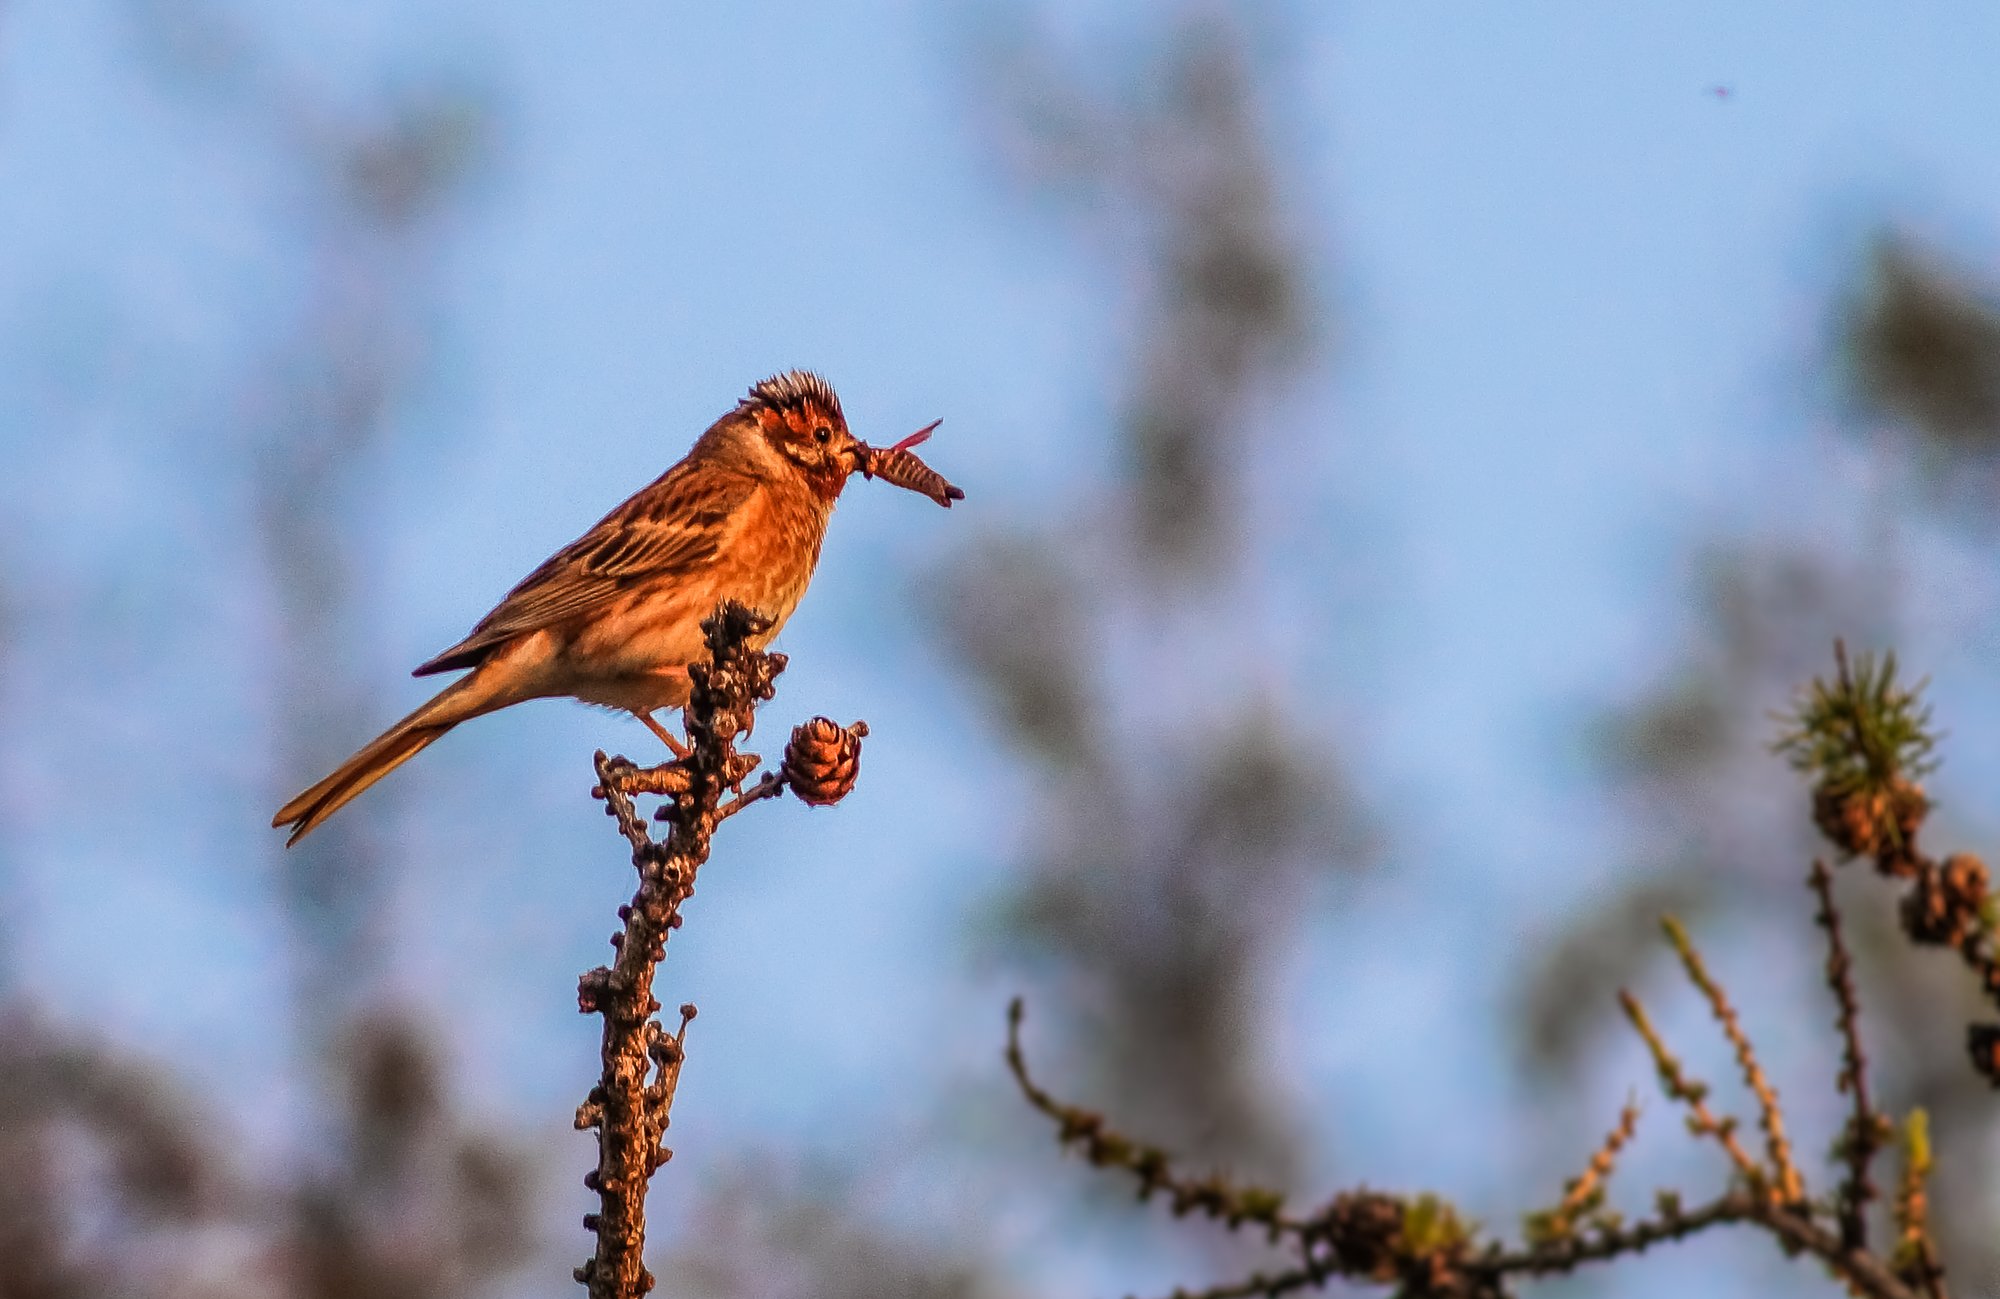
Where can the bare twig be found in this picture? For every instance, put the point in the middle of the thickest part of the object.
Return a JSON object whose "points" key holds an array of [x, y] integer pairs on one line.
{"points": [[1864, 1273], [1689, 1092], [1213, 1196], [1866, 1129], [1586, 1191], [770, 785], [1787, 1185], [1258, 1285], [630, 1105]]}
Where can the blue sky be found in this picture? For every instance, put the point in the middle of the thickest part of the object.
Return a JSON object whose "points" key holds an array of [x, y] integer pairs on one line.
{"points": [[1577, 261]]}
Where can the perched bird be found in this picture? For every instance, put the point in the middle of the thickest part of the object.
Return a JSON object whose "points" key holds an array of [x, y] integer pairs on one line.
{"points": [[614, 618]]}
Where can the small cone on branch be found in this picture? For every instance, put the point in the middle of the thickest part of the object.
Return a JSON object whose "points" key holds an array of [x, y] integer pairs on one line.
{"points": [[823, 760], [1880, 823], [1948, 903]]}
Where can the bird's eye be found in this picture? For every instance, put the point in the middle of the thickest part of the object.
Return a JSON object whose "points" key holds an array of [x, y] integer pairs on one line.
{"points": [[822, 434]]}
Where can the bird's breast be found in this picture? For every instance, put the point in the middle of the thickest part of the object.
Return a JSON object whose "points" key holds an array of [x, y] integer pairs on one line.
{"points": [[776, 552]]}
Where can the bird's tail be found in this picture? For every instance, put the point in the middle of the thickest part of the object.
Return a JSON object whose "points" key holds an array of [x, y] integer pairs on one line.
{"points": [[388, 751]]}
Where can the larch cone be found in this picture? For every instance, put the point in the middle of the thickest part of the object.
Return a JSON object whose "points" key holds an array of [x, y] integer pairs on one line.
{"points": [[823, 760]]}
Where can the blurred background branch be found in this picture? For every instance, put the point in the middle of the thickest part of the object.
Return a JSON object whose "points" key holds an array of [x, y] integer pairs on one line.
{"points": [[1863, 739]]}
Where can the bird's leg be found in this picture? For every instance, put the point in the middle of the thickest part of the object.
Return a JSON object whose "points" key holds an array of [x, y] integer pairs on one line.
{"points": [[666, 737]]}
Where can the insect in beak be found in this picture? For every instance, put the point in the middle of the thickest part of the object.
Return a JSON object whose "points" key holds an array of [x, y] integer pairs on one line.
{"points": [[901, 466]]}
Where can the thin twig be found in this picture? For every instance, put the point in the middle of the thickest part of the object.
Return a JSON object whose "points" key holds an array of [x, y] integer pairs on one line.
{"points": [[1214, 1196], [1790, 1186], [1865, 1135], [1673, 1223], [1864, 1273], [1258, 1285], [770, 785], [1588, 1188], [1689, 1092]]}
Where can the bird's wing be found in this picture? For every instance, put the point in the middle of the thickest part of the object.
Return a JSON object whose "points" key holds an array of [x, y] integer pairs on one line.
{"points": [[670, 530]]}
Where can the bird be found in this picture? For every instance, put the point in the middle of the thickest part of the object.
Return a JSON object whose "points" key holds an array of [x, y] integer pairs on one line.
{"points": [[614, 618]]}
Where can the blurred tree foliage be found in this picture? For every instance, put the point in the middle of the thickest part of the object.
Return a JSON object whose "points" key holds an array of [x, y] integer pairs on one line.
{"points": [[1187, 810], [381, 180], [1920, 343], [119, 1180], [781, 1232]]}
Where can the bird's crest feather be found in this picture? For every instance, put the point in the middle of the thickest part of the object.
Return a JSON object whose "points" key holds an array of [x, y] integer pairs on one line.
{"points": [[792, 389]]}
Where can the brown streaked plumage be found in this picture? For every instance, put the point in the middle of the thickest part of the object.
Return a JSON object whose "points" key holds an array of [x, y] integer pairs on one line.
{"points": [[614, 618]]}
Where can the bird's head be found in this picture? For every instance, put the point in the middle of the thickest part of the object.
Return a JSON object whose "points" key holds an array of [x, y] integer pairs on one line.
{"points": [[796, 419], [790, 426]]}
